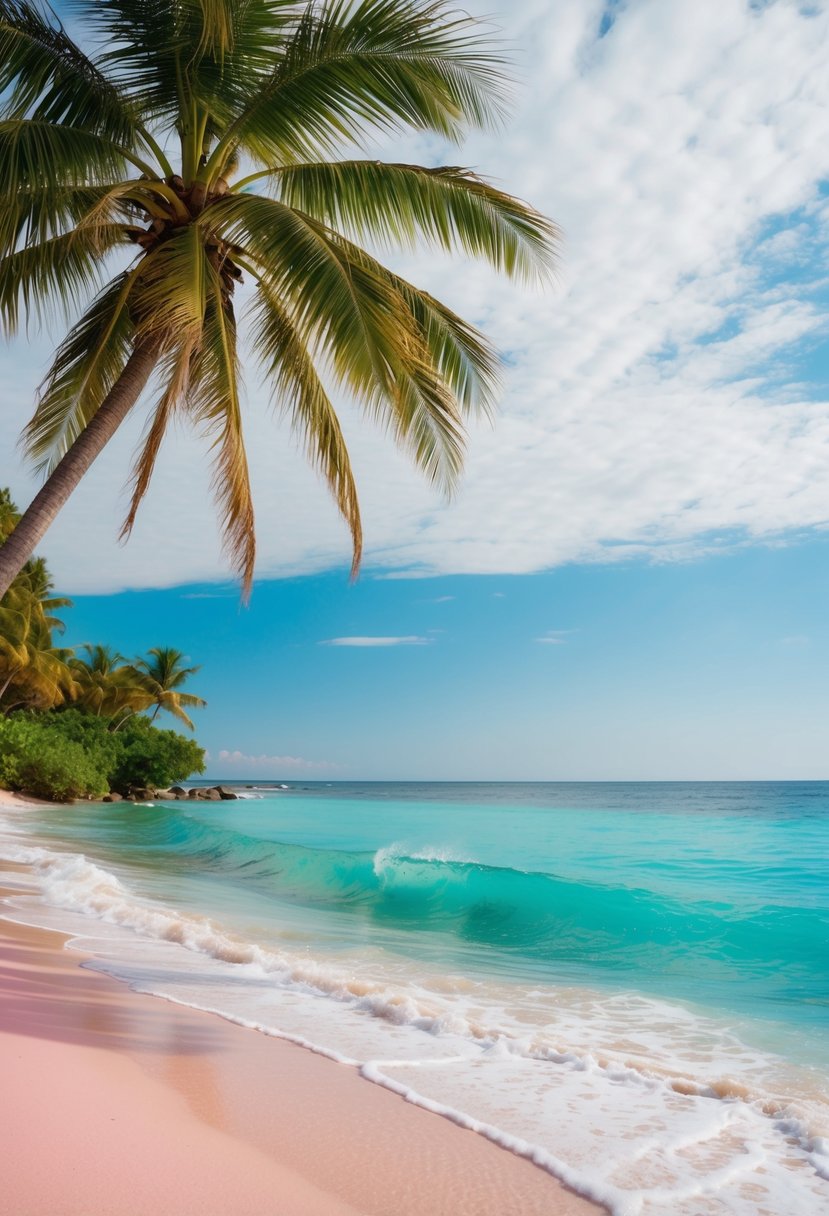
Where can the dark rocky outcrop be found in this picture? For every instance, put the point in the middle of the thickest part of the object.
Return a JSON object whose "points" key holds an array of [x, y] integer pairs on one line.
{"points": [[177, 793]]}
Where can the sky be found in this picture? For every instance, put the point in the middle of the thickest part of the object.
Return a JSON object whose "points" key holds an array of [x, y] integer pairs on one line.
{"points": [[631, 581]]}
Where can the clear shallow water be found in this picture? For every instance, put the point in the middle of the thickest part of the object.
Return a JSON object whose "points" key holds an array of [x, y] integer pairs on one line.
{"points": [[630, 982]]}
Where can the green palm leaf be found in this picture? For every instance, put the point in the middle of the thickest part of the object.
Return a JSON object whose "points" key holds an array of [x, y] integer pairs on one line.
{"points": [[87, 364], [45, 75], [357, 322], [37, 153], [37, 213], [55, 275], [466, 361], [169, 298], [349, 68], [401, 205], [191, 63], [213, 402], [299, 392], [175, 374]]}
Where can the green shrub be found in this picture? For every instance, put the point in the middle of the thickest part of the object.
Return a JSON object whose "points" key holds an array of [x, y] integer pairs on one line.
{"points": [[38, 759], [69, 754], [151, 757], [93, 734]]}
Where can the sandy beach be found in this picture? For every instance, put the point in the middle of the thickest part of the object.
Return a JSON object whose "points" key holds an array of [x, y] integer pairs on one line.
{"points": [[125, 1105]]}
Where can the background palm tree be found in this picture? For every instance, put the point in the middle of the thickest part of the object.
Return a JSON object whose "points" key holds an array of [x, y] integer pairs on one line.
{"points": [[164, 673], [33, 672], [41, 586], [107, 685], [258, 97]]}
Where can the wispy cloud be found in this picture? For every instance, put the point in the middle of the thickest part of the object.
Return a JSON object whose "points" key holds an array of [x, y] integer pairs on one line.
{"points": [[411, 640], [283, 764], [555, 637]]}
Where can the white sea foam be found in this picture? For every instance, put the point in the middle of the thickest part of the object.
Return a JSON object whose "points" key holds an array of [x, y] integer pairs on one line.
{"points": [[388, 859], [638, 1104]]}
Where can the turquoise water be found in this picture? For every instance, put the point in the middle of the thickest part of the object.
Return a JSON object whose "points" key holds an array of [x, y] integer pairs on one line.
{"points": [[674, 930], [719, 893]]}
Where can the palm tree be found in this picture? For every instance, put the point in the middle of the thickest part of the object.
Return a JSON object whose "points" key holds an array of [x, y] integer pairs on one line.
{"points": [[33, 672], [41, 587], [203, 144], [164, 673], [108, 685]]}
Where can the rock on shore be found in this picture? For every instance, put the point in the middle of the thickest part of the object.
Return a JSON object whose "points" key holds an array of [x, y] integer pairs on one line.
{"points": [[176, 793]]}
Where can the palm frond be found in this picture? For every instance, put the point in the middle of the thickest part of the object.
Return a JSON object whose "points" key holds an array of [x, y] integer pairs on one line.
{"points": [[44, 75], [173, 55], [213, 402], [398, 205], [175, 372], [145, 44], [36, 213], [298, 390], [169, 298], [350, 68], [190, 699], [37, 153], [54, 275], [88, 362], [357, 321], [467, 362]]}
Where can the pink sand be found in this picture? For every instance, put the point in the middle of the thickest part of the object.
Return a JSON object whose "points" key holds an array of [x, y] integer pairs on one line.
{"points": [[116, 1104]]}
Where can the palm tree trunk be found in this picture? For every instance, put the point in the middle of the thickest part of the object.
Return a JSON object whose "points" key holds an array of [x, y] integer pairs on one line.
{"points": [[53, 494]]}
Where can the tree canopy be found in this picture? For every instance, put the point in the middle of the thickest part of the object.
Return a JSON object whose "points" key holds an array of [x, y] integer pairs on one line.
{"points": [[36, 674]]}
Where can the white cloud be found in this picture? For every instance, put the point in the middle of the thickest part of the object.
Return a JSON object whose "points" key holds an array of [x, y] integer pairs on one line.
{"points": [[378, 641], [555, 637], [650, 404], [279, 764]]}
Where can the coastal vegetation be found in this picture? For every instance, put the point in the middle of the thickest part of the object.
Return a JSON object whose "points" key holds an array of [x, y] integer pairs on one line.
{"points": [[73, 721], [207, 141]]}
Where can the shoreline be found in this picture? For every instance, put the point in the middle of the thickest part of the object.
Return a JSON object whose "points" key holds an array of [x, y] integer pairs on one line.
{"points": [[152, 1107]]}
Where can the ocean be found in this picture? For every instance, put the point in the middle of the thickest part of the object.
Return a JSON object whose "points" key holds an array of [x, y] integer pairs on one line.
{"points": [[627, 983]]}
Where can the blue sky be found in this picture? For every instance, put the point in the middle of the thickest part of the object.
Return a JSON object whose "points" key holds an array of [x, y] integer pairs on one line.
{"points": [[707, 669], [653, 498]]}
